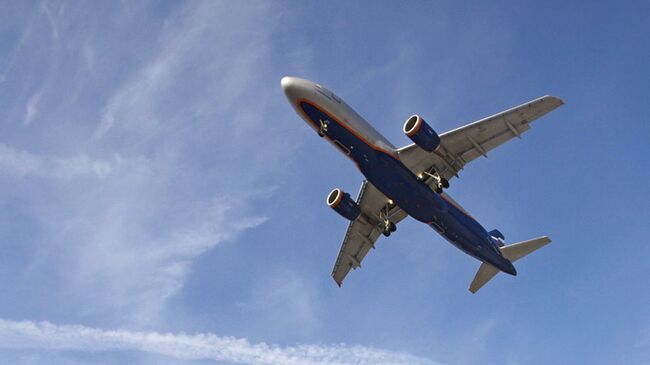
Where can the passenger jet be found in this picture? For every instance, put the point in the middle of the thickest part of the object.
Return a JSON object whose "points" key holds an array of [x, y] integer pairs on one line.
{"points": [[411, 180]]}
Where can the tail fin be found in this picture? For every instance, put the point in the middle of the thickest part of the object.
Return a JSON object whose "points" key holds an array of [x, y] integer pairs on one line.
{"points": [[498, 237], [513, 253]]}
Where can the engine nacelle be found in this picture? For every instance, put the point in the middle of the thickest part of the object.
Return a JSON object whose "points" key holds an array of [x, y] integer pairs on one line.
{"points": [[343, 204], [421, 133]]}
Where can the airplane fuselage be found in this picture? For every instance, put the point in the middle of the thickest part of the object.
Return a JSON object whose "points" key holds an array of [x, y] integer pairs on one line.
{"points": [[378, 161]]}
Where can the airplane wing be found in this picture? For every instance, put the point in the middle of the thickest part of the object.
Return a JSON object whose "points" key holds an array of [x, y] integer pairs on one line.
{"points": [[364, 231], [462, 145]]}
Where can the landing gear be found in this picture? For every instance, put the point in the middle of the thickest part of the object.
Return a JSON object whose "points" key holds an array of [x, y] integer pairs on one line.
{"points": [[439, 181], [389, 228], [322, 130], [444, 182]]}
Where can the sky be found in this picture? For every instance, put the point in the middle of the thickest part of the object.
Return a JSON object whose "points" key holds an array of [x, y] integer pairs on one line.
{"points": [[161, 202]]}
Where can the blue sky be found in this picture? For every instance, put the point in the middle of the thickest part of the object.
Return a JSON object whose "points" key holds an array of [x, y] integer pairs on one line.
{"points": [[162, 203]]}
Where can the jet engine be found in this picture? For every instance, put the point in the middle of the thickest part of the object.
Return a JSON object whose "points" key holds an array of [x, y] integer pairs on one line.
{"points": [[421, 133], [343, 204]]}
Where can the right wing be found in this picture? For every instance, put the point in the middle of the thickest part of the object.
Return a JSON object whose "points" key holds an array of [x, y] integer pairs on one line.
{"points": [[362, 233], [460, 146]]}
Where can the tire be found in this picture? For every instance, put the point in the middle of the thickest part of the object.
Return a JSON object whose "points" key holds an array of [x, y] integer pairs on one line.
{"points": [[392, 227], [444, 182]]}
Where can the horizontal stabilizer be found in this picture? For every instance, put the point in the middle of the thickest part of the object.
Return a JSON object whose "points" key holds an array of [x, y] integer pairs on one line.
{"points": [[483, 275], [513, 253], [518, 250]]}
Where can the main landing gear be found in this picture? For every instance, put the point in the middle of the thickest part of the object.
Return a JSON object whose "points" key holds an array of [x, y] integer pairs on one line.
{"points": [[323, 127], [388, 226], [439, 181]]}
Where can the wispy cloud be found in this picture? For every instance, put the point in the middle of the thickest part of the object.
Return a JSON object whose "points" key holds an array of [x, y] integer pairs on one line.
{"points": [[51, 20], [25, 164], [140, 172], [31, 109], [47, 336], [284, 302]]}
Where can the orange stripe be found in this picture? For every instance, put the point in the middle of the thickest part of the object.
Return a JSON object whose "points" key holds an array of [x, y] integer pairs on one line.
{"points": [[348, 128], [458, 207]]}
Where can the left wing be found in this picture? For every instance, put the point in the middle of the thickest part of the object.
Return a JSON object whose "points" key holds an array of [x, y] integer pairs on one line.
{"points": [[462, 145], [364, 231]]}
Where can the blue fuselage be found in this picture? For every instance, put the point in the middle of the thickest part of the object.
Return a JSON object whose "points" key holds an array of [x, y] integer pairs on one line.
{"points": [[386, 172]]}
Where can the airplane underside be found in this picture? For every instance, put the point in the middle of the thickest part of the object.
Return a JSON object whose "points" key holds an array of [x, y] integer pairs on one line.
{"points": [[416, 198], [410, 180]]}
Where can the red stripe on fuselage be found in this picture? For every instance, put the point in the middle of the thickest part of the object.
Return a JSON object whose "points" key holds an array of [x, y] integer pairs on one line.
{"points": [[344, 125], [461, 209]]}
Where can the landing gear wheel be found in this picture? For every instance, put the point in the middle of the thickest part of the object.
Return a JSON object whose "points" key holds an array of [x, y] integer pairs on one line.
{"points": [[323, 128], [438, 190], [391, 227], [444, 182]]}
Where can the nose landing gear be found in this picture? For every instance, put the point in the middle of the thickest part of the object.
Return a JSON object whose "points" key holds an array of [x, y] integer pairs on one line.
{"points": [[323, 128]]}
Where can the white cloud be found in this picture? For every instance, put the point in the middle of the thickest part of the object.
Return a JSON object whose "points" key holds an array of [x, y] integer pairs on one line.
{"points": [[137, 270], [286, 302], [22, 163], [172, 166], [51, 20], [31, 109], [207, 57], [50, 337]]}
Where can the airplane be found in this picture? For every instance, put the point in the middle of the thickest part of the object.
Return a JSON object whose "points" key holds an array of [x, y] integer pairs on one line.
{"points": [[410, 181]]}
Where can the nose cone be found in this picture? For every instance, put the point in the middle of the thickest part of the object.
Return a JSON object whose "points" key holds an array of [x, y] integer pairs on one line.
{"points": [[291, 87], [287, 82]]}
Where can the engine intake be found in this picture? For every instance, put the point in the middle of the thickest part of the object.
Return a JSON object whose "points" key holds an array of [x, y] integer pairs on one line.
{"points": [[343, 204], [421, 133]]}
